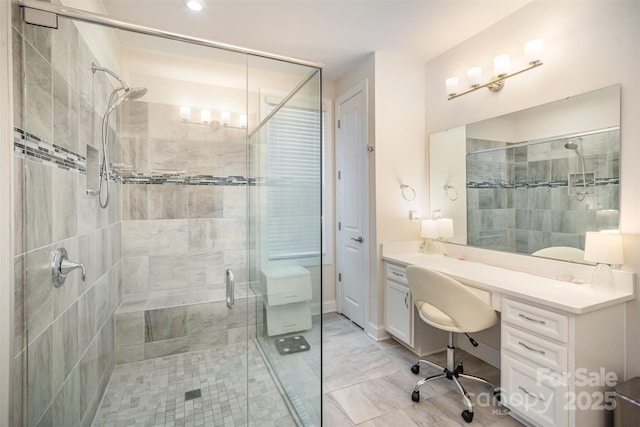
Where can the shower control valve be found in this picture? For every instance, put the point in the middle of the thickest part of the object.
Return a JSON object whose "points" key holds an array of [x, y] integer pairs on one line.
{"points": [[61, 266]]}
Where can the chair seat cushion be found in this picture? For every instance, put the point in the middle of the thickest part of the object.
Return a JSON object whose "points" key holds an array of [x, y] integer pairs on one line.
{"points": [[436, 317]]}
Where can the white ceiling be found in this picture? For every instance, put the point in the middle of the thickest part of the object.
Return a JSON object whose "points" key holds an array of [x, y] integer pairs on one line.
{"points": [[336, 33]]}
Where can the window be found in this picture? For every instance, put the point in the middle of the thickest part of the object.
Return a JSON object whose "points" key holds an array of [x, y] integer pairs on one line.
{"points": [[294, 170]]}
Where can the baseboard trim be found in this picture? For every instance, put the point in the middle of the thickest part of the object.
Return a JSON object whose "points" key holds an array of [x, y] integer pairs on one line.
{"points": [[315, 308], [377, 332], [329, 306]]}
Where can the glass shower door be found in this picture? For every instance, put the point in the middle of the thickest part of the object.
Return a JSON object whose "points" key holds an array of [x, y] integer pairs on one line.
{"points": [[285, 159], [139, 329]]}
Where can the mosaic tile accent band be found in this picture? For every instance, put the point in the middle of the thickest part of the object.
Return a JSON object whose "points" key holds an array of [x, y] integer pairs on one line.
{"points": [[47, 152], [551, 184], [44, 151]]}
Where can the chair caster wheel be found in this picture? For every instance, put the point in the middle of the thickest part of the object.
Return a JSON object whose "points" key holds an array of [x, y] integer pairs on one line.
{"points": [[460, 369], [497, 395], [467, 416], [415, 396], [415, 369]]}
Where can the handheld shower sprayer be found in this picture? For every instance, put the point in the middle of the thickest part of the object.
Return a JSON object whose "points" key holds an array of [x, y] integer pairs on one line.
{"points": [[117, 97], [570, 145]]}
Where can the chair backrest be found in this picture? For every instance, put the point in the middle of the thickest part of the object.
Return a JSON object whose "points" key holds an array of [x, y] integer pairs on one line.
{"points": [[454, 299]]}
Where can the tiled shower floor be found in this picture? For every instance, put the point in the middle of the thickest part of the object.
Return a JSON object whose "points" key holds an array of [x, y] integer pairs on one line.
{"points": [[152, 392]]}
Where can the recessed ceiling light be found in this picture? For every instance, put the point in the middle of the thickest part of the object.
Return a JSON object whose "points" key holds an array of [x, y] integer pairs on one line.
{"points": [[195, 5]]}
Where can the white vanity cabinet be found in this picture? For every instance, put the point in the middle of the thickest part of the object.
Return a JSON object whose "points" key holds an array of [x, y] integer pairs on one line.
{"points": [[402, 320], [397, 306], [561, 343], [553, 363]]}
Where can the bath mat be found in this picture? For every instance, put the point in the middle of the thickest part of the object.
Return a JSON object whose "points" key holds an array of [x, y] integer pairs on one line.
{"points": [[293, 344]]}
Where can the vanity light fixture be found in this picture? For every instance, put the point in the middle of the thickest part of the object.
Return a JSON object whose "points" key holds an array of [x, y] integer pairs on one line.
{"points": [[185, 114], [205, 116], [501, 68], [225, 118], [195, 5]]}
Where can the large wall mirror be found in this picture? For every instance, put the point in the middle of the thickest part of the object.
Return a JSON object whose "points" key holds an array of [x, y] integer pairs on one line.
{"points": [[533, 181]]}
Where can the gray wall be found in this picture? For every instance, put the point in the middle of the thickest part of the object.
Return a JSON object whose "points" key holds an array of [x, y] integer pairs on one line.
{"points": [[180, 233], [66, 334]]}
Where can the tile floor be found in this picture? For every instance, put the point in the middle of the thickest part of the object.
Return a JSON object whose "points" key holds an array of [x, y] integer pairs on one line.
{"points": [[369, 383], [299, 374], [365, 383], [152, 392]]}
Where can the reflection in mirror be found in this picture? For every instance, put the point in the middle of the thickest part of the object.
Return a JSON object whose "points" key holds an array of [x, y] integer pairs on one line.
{"points": [[537, 180]]}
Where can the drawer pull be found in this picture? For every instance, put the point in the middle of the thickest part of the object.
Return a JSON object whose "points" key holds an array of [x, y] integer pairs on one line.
{"points": [[405, 300], [395, 273], [531, 348], [542, 322], [530, 394]]}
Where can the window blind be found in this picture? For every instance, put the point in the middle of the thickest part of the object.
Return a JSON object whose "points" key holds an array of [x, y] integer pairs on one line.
{"points": [[294, 150]]}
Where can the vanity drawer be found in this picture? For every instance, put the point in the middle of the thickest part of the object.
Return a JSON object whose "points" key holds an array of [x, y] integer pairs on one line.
{"points": [[544, 322], [399, 274], [537, 397], [546, 353]]}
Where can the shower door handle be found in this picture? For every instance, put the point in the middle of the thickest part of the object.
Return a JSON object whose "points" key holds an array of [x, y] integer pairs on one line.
{"points": [[230, 289]]}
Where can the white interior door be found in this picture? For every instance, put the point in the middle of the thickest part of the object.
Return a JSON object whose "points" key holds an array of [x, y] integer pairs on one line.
{"points": [[351, 203]]}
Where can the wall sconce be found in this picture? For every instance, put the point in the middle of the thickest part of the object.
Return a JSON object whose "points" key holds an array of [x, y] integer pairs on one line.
{"points": [[501, 68], [605, 249], [242, 120]]}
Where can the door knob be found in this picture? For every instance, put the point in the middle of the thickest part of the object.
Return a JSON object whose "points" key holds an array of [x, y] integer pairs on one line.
{"points": [[359, 239]]}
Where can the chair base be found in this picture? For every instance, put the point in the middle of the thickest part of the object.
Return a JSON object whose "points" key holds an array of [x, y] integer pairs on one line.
{"points": [[451, 372]]}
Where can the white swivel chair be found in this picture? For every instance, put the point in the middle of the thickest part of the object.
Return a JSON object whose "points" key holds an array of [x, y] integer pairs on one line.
{"points": [[447, 304]]}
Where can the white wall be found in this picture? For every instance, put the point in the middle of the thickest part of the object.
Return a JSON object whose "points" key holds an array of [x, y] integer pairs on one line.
{"points": [[450, 148], [396, 130], [102, 41], [588, 45], [400, 155], [594, 110], [364, 71]]}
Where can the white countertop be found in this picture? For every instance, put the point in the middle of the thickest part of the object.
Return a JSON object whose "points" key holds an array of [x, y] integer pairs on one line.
{"points": [[552, 293]]}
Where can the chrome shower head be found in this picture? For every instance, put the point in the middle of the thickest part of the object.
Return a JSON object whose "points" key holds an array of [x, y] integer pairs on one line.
{"points": [[571, 145], [128, 93]]}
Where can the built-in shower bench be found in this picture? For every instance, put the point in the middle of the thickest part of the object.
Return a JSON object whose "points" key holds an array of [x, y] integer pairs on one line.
{"points": [[162, 326]]}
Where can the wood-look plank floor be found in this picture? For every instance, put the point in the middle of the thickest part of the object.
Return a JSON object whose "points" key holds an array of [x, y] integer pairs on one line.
{"points": [[369, 383]]}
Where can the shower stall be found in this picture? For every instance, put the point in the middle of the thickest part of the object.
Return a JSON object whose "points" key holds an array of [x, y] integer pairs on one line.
{"points": [[168, 237]]}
